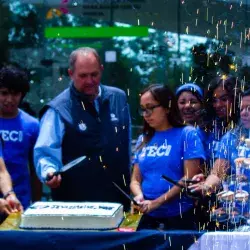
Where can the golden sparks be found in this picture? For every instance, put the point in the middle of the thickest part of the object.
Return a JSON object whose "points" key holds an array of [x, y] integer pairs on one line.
{"points": [[125, 184], [83, 105]]}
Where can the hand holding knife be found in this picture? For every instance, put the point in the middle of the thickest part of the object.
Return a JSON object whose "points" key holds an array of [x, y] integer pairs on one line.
{"points": [[195, 195], [66, 167], [124, 193]]}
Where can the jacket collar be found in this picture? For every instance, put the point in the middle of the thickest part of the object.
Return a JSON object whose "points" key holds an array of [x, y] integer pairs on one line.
{"points": [[102, 96]]}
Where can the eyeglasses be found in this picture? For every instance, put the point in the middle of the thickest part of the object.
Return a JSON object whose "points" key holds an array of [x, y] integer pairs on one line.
{"points": [[148, 111]]}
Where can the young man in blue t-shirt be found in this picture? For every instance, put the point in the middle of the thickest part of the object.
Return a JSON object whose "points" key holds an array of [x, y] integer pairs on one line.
{"points": [[19, 132]]}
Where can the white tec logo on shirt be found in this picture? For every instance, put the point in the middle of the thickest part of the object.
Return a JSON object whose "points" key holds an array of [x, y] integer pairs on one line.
{"points": [[153, 151], [12, 135]]}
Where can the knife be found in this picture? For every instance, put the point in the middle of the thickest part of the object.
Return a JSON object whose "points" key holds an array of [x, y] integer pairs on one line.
{"points": [[66, 167], [189, 181], [128, 196], [172, 181], [194, 195]]}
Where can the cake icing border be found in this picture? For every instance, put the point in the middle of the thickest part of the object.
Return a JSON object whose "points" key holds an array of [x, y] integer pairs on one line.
{"points": [[72, 229]]}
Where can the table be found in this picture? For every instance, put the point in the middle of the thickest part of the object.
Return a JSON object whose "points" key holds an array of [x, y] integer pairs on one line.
{"points": [[11, 237]]}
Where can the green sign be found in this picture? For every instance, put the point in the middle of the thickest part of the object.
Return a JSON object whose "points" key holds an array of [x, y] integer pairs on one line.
{"points": [[95, 32]]}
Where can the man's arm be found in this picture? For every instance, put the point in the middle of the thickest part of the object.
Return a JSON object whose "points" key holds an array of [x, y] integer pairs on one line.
{"points": [[47, 151], [5, 179], [10, 203]]}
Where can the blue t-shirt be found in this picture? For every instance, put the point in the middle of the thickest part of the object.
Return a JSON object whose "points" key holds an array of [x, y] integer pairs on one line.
{"points": [[233, 147], [211, 145], [1, 148], [19, 135], [165, 154]]}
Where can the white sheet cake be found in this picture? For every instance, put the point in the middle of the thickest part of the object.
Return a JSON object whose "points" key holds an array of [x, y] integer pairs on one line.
{"points": [[72, 215]]}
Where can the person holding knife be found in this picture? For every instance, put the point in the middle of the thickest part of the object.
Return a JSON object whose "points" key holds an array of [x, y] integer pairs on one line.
{"points": [[167, 148], [87, 119]]}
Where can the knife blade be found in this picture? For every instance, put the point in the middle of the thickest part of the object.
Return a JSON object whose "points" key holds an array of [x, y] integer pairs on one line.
{"points": [[66, 167], [128, 196], [194, 195], [172, 181]]}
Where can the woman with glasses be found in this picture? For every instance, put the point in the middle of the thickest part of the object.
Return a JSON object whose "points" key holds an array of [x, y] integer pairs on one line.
{"points": [[168, 148]]}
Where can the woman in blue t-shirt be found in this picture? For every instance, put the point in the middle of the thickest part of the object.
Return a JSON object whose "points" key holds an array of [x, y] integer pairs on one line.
{"points": [[190, 100], [233, 146], [165, 148], [222, 104]]}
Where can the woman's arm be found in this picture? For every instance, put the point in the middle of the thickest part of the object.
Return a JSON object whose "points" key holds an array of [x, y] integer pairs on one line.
{"points": [[191, 168], [213, 181], [135, 184]]}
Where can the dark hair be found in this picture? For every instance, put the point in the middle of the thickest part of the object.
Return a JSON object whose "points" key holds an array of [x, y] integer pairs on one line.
{"points": [[240, 131], [82, 50], [233, 88], [14, 79], [164, 96]]}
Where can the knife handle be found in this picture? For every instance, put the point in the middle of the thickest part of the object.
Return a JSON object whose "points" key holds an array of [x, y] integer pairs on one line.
{"points": [[49, 177], [134, 202], [194, 195], [190, 181]]}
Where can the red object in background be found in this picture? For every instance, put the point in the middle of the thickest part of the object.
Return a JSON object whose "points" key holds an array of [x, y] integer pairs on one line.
{"points": [[126, 229]]}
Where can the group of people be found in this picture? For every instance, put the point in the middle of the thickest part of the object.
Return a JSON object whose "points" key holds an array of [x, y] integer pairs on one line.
{"points": [[189, 134], [185, 137]]}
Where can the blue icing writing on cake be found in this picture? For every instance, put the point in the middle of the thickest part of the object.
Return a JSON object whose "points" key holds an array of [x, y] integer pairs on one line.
{"points": [[53, 206], [72, 215]]}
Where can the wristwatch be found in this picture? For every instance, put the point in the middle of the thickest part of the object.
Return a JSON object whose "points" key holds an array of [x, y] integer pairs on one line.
{"points": [[8, 194]]}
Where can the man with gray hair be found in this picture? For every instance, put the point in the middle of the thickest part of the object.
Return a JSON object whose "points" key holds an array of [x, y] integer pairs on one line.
{"points": [[87, 119]]}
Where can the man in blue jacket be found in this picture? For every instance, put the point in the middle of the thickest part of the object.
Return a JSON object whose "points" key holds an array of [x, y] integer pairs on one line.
{"points": [[87, 119]]}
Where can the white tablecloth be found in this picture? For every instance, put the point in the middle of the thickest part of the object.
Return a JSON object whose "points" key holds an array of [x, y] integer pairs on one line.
{"points": [[223, 241]]}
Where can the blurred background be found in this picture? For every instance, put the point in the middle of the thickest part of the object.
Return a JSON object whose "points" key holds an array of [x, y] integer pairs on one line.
{"points": [[139, 41]]}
